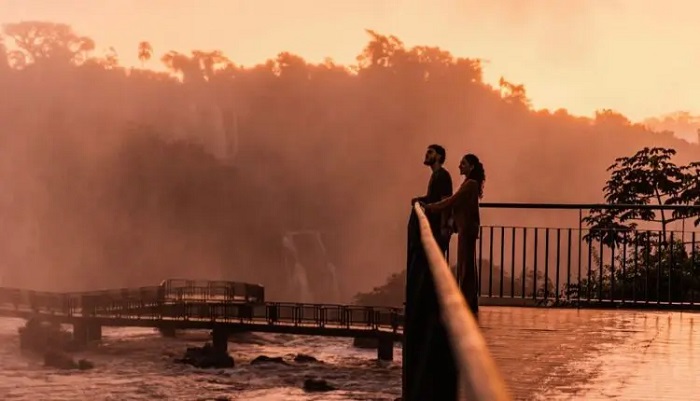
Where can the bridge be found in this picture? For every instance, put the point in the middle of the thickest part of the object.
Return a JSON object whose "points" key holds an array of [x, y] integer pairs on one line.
{"points": [[220, 306]]}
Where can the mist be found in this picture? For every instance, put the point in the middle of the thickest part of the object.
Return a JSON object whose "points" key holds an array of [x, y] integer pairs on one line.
{"points": [[116, 176]]}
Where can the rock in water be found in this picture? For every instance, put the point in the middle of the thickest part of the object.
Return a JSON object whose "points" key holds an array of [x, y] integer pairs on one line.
{"points": [[59, 360], [207, 357], [365, 343], [84, 364], [312, 385], [303, 358], [267, 359], [40, 336]]}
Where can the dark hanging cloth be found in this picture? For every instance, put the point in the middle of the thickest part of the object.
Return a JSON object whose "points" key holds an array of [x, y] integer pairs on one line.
{"points": [[429, 371]]}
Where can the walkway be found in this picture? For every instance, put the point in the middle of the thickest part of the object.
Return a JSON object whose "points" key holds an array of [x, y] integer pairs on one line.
{"points": [[204, 307], [210, 307], [567, 354]]}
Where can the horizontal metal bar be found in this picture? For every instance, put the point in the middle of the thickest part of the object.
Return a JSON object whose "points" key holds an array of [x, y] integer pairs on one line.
{"points": [[578, 206]]}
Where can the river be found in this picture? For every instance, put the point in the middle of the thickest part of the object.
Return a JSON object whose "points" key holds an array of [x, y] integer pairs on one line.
{"points": [[137, 364]]}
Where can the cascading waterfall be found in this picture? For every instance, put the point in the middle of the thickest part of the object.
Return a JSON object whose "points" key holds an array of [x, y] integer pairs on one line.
{"points": [[332, 271], [299, 276], [309, 281], [207, 124]]}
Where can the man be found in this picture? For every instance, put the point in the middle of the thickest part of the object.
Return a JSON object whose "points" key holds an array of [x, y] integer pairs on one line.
{"points": [[439, 188]]}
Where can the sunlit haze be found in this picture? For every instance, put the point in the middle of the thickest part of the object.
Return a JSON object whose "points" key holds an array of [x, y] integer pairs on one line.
{"points": [[639, 57], [247, 154], [245, 174]]}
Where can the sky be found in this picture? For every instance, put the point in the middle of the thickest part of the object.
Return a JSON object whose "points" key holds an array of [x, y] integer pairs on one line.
{"points": [[639, 57]]}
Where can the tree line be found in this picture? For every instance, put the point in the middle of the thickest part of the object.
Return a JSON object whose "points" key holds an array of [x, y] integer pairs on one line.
{"points": [[200, 169]]}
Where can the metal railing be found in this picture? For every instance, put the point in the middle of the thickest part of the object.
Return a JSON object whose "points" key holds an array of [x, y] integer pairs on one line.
{"points": [[586, 266], [180, 290], [478, 376], [144, 304]]}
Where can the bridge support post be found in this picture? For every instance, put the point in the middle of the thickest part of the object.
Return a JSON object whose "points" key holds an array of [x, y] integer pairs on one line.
{"points": [[86, 331], [220, 339], [385, 348]]}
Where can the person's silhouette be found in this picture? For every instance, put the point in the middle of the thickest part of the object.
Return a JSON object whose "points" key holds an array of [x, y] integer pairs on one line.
{"points": [[439, 187], [465, 207]]}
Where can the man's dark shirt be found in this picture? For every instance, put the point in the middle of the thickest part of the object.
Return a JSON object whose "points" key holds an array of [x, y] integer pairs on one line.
{"points": [[439, 187]]}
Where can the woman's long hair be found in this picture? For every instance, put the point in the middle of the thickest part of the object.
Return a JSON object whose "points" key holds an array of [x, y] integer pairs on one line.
{"points": [[477, 174]]}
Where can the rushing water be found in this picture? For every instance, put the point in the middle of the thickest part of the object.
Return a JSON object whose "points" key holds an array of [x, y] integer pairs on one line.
{"points": [[137, 364]]}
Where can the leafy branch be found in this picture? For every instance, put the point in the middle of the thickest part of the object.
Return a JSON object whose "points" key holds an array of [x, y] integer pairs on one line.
{"points": [[649, 177]]}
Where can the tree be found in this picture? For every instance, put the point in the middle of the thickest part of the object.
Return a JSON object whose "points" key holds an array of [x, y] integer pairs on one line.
{"points": [[610, 118], [42, 41], [110, 59], [291, 66], [646, 178], [202, 65], [381, 51], [145, 52], [646, 262], [691, 192], [513, 93]]}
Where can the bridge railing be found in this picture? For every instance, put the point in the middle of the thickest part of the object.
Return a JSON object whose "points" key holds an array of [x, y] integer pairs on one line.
{"points": [[568, 263], [478, 377], [297, 314], [147, 303], [39, 301], [182, 290]]}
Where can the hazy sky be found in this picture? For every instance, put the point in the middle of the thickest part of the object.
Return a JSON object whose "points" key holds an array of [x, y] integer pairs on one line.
{"points": [[641, 57]]}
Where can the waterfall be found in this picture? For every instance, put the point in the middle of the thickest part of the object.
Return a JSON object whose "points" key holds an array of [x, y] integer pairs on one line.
{"points": [[299, 276], [313, 277], [210, 126]]}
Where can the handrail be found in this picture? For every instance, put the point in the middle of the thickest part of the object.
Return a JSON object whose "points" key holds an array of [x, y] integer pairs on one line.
{"points": [[579, 206], [479, 377]]}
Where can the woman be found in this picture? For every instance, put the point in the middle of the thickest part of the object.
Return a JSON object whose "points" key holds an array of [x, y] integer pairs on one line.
{"points": [[465, 208]]}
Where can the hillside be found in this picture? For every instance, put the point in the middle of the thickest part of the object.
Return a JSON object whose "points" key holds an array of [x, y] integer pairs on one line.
{"points": [[115, 176]]}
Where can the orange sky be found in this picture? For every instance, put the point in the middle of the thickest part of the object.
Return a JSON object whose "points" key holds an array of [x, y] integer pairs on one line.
{"points": [[641, 57]]}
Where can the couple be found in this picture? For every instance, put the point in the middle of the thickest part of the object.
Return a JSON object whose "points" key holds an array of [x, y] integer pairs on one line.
{"points": [[448, 212]]}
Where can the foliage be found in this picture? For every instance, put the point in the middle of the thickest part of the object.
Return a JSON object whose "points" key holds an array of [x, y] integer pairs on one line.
{"points": [[38, 42], [646, 178], [392, 293], [648, 264], [645, 270]]}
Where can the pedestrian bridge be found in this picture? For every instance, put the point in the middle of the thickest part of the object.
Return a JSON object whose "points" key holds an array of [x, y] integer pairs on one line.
{"points": [[213, 305]]}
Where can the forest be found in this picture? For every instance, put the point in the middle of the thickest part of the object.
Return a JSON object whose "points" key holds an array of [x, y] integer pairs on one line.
{"points": [[118, 176]]}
